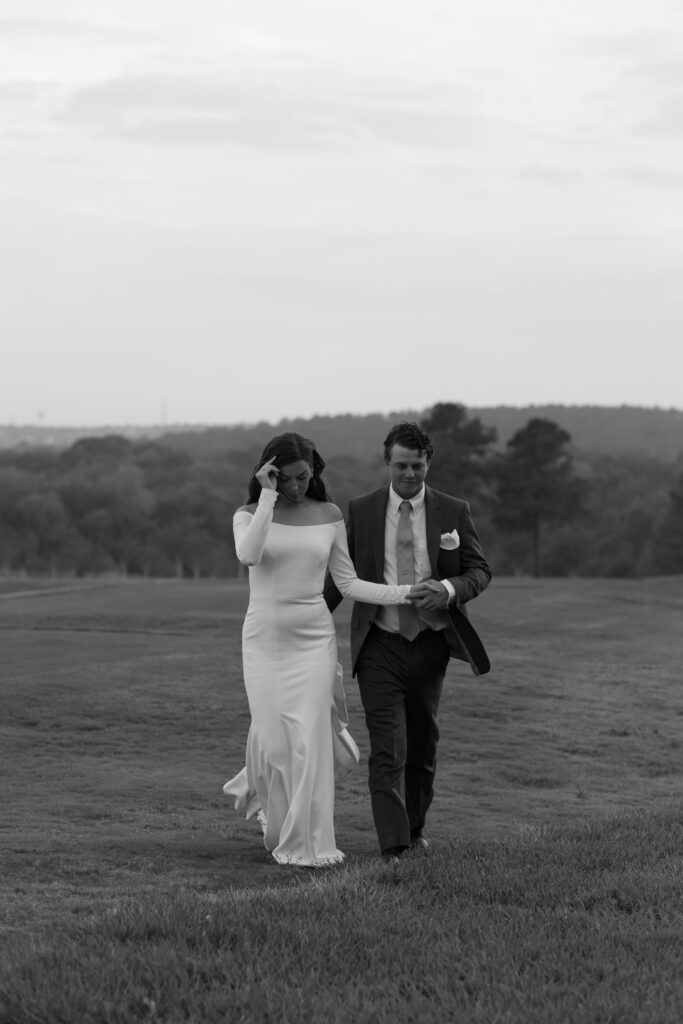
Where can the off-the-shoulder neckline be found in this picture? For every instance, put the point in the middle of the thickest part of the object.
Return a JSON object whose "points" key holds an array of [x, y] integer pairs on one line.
{"points": [[302, 526], [295, 526]]}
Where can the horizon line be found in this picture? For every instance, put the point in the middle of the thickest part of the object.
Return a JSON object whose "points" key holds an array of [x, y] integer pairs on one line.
{"points": [[244, 424]]}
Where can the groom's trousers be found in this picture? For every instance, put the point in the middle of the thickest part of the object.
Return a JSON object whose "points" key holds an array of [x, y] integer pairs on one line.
{"points": [[400, 684]]}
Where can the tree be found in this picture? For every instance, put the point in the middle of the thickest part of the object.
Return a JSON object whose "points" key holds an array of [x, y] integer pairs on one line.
{"points": [[535, 482], [109, 504], [669, 551], [462, 446]]}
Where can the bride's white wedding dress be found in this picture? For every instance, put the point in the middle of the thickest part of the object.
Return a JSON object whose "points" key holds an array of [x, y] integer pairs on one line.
{"points": [[289, 651]]}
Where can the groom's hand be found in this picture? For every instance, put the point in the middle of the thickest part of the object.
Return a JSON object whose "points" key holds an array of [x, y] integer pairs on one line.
{"points": [[429, 595]]}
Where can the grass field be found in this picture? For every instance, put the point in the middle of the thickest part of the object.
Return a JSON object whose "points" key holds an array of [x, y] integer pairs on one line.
{"points": [[131, 891]]}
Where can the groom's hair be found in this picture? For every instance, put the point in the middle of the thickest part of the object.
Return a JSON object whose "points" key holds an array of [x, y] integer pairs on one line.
{"points": [[411, 436]]}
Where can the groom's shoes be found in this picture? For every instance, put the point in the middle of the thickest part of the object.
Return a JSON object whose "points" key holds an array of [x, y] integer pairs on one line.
{"points": [[391, 857], [419, 846]]}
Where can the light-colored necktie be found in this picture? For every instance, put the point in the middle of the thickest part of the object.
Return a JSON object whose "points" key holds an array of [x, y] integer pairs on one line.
{"points": [[408, 619]]}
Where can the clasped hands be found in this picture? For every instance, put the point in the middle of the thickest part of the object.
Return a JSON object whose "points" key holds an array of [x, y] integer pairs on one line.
{"points": [[429, 595]]}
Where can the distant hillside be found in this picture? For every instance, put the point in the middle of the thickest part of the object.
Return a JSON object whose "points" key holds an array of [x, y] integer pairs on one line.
{"points": [[63, 437], [596, 429], [650, 432]]}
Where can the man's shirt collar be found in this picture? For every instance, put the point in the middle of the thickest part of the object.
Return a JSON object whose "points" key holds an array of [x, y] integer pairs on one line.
{"points": [[417, 501]]}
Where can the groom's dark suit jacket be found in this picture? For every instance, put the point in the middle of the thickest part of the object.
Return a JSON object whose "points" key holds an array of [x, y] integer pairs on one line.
{"points": [[465, 567]]}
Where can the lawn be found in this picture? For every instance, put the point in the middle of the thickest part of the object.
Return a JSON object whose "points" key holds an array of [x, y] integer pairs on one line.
{"points": [[132, 891]]}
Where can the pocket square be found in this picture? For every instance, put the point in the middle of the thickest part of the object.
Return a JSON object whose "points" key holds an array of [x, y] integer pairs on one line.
{"points": [[450, 541]]}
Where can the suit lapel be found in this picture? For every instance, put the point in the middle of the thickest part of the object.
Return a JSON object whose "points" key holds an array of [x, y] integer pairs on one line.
{"points": [[433, 517], [379, 512]]}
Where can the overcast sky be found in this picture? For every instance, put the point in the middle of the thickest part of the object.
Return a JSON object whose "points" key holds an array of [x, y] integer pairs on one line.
{"points": [[214, 211]]}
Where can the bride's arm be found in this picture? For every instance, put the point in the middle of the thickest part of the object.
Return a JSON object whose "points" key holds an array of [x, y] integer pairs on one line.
{"points": [[347, 582], [251, 530]]}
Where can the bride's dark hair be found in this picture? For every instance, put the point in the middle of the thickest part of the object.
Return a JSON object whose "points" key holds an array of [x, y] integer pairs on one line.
{"points": [[287, 448]]}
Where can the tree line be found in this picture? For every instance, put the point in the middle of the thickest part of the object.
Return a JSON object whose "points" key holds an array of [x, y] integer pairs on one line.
{"points": [[605, 430], [151, 507]]}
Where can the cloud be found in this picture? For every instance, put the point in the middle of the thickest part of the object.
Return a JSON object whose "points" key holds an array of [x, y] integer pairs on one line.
{"points": [[665, 116], [654, 177], [36, 30], [202, 109], [552, 175], [629, 46], [240, 87], [279, 107], [25, 42], [657, 76], [54, 56], [645, 91]]}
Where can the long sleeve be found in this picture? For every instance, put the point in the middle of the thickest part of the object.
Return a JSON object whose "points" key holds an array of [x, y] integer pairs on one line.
{"points": [[250, 531], [347, 582]]}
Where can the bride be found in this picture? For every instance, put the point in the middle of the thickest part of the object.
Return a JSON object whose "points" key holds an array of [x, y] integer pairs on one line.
{"points": [[288, 535]]}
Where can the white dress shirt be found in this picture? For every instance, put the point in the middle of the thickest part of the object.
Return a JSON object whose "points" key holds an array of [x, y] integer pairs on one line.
{"points": [[387, 617]]}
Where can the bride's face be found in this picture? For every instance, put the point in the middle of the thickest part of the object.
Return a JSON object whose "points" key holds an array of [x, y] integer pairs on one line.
{"points": [[293, 480]]}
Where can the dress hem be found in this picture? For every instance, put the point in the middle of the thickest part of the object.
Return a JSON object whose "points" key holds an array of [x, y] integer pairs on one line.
{"points": [[320, 862]]}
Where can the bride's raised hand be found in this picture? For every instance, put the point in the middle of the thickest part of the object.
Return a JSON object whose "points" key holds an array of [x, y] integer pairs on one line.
{"points": [[267, 475]]}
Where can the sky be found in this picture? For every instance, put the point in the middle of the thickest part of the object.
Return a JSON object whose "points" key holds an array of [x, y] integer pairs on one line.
{"points": [[219, 212]]}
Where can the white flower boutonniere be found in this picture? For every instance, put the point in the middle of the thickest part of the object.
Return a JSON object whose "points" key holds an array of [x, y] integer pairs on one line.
{"points": [[450, 541]]}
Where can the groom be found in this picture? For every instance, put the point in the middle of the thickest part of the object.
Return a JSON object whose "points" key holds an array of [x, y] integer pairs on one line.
{"points": [[409, 533]]}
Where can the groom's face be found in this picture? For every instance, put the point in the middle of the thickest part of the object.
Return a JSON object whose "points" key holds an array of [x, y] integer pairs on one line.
{"points": [[407, 470]]}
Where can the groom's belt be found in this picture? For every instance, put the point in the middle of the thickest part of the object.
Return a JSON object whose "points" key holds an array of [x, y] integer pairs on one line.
{"points": [[390, 634]]}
